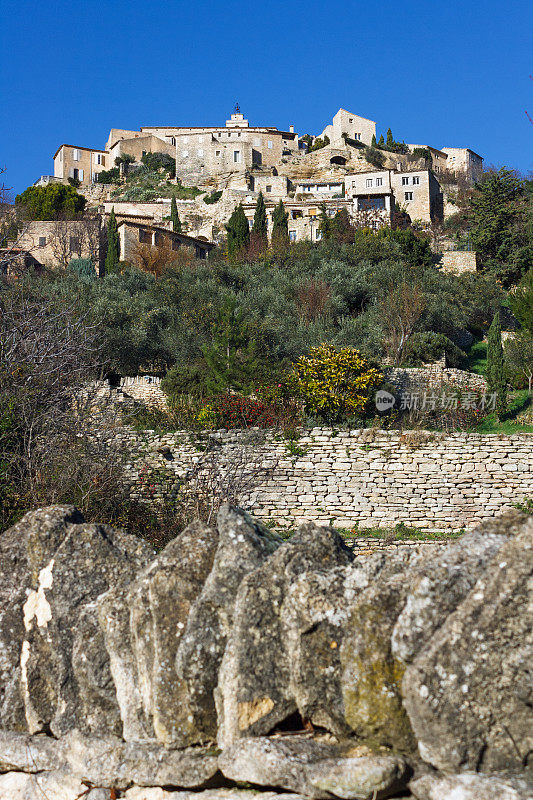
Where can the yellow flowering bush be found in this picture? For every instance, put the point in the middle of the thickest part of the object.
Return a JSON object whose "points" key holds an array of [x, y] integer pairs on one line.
{"points": [[335, 383], [206, 417]]}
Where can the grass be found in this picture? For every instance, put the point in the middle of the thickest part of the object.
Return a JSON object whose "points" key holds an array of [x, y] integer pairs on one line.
{"points": [[400, 532], [477, 358], [518, 403], [144, 185]]}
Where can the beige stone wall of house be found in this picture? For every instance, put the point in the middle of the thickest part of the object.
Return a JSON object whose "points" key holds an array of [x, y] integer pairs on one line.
{"points": [[458, 261], [54, 244], [353, 125], [419, 193], [138, 146], [277, 186], [79, 162], [120, 133], [462, 160]]}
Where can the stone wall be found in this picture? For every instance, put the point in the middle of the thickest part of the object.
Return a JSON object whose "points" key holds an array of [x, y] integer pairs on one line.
{"points": [[360, 477], [433, 376], [458, 261]]}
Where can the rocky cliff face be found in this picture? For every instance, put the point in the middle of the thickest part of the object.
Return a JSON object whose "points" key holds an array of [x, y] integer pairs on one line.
{"points": [[233, 658]]}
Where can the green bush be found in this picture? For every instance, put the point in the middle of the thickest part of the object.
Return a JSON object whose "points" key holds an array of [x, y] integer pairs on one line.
{"points": [[50, 202], [214, 197], [83, 267], [108, 175], [374, 157], [157, 161], [428, 347], [335, 384]]}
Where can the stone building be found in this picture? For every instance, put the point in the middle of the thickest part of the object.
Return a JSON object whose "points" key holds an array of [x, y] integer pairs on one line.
{"points": [[439, 159], [317, 188], [380, 191], [54, 243], [462, 160], [132, 234], [79, 163], [355, 127], [138, 146]]}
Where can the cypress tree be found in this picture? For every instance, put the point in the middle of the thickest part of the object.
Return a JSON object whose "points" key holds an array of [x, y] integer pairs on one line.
{"points": [[390, 139], [496, 365], [381, 142], [373, 143], [238, 232], [174, 216], [113, 245], [280, 225], [259, 228]]}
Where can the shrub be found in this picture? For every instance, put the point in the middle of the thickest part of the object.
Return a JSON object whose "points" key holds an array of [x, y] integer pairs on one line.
{"points": [[214, 197], [83, 267], [108, 175], [50, 202], [335, 383], [156, 161], [374, 157], [428, 347]]}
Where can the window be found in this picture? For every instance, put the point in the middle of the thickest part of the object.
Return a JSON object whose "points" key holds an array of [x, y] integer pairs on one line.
{"points": [[269, 144], [369, 183], [416, 180], [217, 153], [42, 241], [100, 159], [379, 181], [75, 155], [200, 151], [173, 140], [143, 153], [219, 134], [145, 237], [257, 142], [350, 120], [292, 236], [353, 184], [236, 156], [408, 195], [405, 180], [239, 133], [269, 188], [318, 235], [357, 136]]}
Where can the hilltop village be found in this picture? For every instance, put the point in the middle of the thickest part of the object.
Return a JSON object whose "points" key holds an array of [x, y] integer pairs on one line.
{"points": [[211, 170]]}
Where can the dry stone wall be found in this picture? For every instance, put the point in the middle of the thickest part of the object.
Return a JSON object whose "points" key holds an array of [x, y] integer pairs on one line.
{"points": [[356, 478]]}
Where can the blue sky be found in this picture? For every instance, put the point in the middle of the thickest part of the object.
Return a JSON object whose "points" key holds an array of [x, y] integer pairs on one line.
{"points": [[445, 74]]}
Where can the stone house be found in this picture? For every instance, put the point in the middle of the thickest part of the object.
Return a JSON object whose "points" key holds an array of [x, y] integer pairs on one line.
{"points": [[355, 127], [79, 163], [462, 160], [319, 188], [379, 191], [273, 186], [133, 233], [439, 158], [54, 243]]}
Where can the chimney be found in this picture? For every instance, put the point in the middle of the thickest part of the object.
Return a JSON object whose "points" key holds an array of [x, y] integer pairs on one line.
{"points": [[291, 128]]}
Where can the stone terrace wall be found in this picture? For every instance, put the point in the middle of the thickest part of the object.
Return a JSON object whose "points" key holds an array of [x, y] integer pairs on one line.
{"points": [[363, 477], [434, 376]]}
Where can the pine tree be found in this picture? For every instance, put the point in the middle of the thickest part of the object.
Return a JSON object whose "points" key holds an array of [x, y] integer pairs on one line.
{"points": [[113, 245], [259, 229], [381, 142], [238, 232], [174, 216], [496, 365], [231, 359], [373, 143], [390, 138], [280, 225]]}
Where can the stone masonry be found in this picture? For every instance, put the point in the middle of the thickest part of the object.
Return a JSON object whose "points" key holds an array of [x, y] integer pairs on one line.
{"points": [[361, 477]]}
